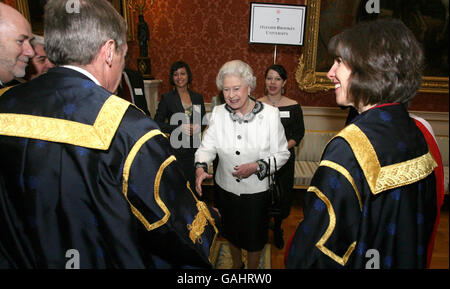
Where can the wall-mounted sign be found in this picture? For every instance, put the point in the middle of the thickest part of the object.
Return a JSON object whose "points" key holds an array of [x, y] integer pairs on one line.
{"points": [[277, 23]]}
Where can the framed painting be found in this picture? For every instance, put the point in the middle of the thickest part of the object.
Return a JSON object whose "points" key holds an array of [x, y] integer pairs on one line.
{"points": [[427, 19], [34, 12]]}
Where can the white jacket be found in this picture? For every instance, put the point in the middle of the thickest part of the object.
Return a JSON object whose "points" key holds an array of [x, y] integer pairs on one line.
{"points": [[238, 143]]}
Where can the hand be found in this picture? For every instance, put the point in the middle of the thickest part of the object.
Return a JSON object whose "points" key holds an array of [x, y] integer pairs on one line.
{"points": [[245, 170], [291, 143], [217, 210], [195, 128], [200, 175], [186, 129]]}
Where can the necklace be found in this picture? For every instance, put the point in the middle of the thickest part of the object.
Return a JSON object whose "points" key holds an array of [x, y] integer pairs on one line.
{"points": [[249, 116], [274, 103], [248, 108]]}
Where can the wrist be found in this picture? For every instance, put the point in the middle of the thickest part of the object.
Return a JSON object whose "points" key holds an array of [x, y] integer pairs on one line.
{"points": [[263, 169], [203, 166]]}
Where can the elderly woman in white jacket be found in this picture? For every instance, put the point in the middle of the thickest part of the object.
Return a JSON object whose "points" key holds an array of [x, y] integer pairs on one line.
{"points": [[248, 137]]}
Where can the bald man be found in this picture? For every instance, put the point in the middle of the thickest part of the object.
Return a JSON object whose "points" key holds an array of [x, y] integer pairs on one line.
{"points": [[15, 44]]}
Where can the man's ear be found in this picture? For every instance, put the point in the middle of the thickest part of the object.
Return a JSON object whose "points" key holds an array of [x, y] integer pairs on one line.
{"points": [[107, 51]]}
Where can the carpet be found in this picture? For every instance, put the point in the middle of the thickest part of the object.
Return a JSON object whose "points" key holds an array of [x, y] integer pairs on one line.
{"points": [[221, 256]]}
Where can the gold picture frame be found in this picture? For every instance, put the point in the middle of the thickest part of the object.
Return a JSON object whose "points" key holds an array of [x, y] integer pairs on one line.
{"points": [[310, 80], [37, 20]]}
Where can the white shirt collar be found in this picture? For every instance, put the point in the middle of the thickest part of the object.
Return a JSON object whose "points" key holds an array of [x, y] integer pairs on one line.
{"points": [[83, 71]]}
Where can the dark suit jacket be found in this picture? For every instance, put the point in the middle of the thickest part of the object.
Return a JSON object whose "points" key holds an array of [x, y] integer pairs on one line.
{"points": [[170, 104], [135, 82]]}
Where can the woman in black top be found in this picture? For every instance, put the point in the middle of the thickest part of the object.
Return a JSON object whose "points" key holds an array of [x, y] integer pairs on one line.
{"points": [[292, 119], [180, 114]]}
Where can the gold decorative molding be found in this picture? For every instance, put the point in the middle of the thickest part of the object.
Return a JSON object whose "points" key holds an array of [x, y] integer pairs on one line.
{"points": [[22, 7], [434, 84], [306, 75], [128, 16], [139, 5], [310, 80]]}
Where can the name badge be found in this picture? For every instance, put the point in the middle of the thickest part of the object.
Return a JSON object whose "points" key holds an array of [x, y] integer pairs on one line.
{"points": [[138, 91], [285, 114]]}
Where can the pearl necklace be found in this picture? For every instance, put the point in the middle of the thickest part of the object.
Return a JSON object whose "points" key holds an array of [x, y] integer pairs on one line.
{"points": [[248, 116], [274, 103], [248, 108]]}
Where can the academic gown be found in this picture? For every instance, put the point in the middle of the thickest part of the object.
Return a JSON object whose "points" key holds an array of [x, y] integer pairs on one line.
{"points": [[87, 171], [372, 201], [136, 88]]}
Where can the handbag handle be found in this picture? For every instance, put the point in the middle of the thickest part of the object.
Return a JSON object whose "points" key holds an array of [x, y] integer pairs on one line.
{"points": [[271, 177]]}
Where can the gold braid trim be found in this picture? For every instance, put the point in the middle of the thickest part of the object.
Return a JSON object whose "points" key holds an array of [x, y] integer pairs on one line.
{"points": [[201, 220], [4, 89], [96, 136], [126, 174], [388, 177], [198, 225], [331, 226], [364, 152], [343, 171], [206, 213], [405, 173]]}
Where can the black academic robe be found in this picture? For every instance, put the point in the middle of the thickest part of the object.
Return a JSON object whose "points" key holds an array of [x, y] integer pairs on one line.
{"points": [[84, 172], [137, 89], [372, 201]]}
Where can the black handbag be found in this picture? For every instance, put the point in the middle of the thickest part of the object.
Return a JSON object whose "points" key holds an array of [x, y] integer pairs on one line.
{"points": [[274, 192]]}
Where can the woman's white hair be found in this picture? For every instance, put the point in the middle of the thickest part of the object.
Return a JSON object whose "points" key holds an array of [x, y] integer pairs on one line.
{"points": [[237, 68]]}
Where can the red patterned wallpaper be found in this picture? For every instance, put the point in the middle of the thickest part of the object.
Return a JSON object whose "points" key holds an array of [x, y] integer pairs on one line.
{"points": [[206, 34], [9, 2]]}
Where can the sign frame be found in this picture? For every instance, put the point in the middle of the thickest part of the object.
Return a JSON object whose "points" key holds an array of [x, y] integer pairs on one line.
{"points": [[264, 29]]}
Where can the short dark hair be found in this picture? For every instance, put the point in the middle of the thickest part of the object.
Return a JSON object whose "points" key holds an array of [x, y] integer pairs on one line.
{"points": [[177, 65], [385, 58], [279, 69]]}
